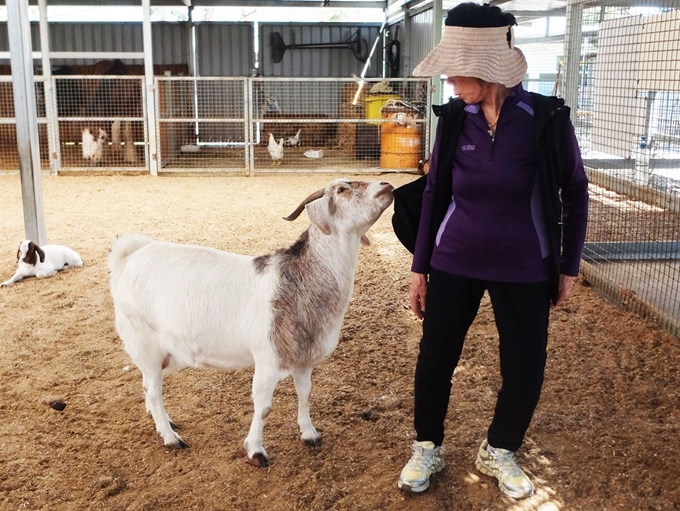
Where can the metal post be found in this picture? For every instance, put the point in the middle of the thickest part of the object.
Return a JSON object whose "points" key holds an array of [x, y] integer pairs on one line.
{"points": [[249, 131], [21, 60], [50, 98], [383, 67], [406, 44], [150, 88], [572, 55], [438, 89], [191, 47]]}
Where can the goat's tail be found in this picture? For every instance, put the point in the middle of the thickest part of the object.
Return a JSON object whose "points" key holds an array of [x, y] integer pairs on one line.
{"points": [[122, 247]]}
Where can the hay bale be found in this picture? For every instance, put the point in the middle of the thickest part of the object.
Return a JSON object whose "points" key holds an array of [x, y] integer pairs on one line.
{"points": [[347, 132]]}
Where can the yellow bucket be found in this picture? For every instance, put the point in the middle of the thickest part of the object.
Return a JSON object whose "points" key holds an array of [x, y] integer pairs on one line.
{"points": [[374, 102]]}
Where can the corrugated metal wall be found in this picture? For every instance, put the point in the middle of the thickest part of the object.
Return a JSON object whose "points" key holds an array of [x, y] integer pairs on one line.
{"points": [[420, 38], [170, 40], [4, 38], [224, 49], [91, 37], [171, 43], [318, 62]]}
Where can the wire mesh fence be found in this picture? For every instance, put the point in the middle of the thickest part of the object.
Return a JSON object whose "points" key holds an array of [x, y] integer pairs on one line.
{"points": [[291, 124], [628, 125], [101, 123], [201, 124], [226, 124], [9, 151]]}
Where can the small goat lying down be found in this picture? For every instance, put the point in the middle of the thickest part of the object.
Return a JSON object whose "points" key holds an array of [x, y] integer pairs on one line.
{"points": [[35, 261], [181, 306]]}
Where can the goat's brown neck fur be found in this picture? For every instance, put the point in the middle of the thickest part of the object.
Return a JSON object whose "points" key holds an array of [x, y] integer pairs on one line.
{"points": [[305, 304]]}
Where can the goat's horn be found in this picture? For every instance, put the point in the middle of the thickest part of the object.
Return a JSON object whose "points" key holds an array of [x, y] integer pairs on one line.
{"points": [[316, 195]]}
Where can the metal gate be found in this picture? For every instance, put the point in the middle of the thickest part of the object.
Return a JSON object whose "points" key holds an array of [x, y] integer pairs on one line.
{"points": [[101, 123], [202, 124], [263, 125]]}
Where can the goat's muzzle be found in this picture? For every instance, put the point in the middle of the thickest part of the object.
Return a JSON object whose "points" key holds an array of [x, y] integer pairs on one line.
{"points": [[386, 190]]}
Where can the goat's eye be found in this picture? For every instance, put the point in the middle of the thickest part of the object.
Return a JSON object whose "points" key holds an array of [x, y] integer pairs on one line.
{"points": [[342, 189]]}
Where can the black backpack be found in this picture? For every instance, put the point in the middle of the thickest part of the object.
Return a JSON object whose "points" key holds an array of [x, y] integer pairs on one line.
{"points": [[406, 218]]}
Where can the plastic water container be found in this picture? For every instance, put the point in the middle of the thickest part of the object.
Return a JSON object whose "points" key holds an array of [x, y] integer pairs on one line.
{"points": [[314, 153]]}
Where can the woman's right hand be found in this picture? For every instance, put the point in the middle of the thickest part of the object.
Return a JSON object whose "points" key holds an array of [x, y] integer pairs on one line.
{"points": [[416, 294]]}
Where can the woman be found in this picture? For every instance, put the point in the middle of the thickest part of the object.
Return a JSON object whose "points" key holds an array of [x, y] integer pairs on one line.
{"points": [[504, 211]]}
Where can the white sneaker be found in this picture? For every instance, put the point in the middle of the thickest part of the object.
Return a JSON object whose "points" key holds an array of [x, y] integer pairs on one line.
{"points": [[425, 461], [501, 464]]}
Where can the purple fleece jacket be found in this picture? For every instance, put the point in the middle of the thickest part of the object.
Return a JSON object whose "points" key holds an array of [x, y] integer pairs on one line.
{"points": [[494, 229]]}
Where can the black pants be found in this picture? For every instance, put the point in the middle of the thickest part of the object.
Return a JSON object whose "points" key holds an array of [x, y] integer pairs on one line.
{"points": [[521, 313]]}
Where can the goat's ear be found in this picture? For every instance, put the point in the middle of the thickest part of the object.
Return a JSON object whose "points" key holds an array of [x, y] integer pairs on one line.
{"points": [[41, 253], [365, 241], [29, 256], [318, 215]]}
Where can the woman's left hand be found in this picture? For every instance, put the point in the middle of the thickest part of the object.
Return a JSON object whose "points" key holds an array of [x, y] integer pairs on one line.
{"points": [[566, 282]]}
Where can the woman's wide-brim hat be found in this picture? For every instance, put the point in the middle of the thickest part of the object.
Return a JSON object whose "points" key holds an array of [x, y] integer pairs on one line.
{"points": [[485, 53]]}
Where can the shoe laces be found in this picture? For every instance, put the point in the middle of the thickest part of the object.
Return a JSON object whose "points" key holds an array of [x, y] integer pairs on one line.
{"points": [[422, 457], [505, 461]]}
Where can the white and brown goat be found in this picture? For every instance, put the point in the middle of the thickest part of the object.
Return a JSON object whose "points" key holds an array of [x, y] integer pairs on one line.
{"points": [[181, 306], [41, 262]]}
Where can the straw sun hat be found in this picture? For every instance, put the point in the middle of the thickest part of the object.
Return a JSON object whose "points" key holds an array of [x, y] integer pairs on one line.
{"points": [[486, 53]]}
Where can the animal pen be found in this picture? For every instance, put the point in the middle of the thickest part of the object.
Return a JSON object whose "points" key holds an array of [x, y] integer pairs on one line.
{"points": [[324, 124], [617, 66], [627, 117], [221, 124]]}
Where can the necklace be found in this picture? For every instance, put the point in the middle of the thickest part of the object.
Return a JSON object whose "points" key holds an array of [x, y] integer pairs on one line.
{"points": [[492, 128]]}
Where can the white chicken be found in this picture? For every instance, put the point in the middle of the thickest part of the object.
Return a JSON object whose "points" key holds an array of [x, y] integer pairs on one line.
{"points": [[293, 141], [93, 149], [275, 150], [89, 144]]}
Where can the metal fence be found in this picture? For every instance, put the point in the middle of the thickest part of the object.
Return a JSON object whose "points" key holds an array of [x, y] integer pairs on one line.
{"points": [[628, 125], [291, 124], [9, 152], [202, 124], [223, 124], [100, 123]]}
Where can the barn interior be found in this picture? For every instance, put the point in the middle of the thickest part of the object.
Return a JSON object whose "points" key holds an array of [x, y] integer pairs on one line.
{"points": [[203, 86], [186, 93]]}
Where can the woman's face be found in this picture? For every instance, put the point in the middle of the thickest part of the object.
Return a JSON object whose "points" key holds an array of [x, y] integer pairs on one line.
{"points": [[468, 89]]}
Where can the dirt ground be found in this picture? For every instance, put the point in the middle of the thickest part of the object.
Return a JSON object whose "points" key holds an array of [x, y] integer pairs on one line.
{"points": [[605, 435]]}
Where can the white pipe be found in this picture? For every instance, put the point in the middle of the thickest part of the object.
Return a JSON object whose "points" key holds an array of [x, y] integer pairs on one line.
{"points": [[150, 88], [368, 63], [50, 97]]}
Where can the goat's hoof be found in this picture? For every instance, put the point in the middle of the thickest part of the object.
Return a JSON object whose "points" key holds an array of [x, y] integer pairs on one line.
{"points": [[175, 427], [178, 444], [313, 442], [259, 460]]}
